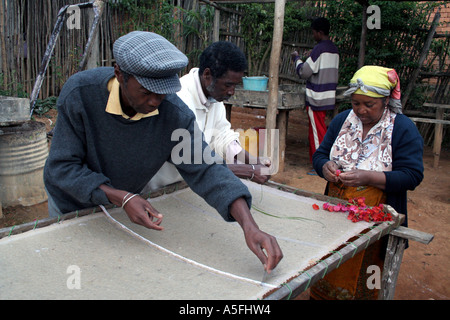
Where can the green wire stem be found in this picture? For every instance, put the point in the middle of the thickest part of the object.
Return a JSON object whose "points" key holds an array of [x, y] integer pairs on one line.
{"points": [[280, 217]]}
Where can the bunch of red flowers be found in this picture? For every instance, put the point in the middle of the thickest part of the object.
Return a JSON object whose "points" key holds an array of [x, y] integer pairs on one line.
{"points": [[358, 210]]}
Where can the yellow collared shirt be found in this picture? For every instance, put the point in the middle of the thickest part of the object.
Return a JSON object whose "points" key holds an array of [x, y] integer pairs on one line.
{"points": [[113, 106]]}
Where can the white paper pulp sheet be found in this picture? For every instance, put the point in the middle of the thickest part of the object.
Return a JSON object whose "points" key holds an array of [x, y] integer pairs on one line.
{"points": [[197, 256]]}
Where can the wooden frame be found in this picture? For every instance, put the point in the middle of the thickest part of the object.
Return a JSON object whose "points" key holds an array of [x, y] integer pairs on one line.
{"points": [[398, 237], [299, 283], [439, 123]]}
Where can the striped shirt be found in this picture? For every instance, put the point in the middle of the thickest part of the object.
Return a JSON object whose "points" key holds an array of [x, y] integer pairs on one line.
{"points": [[320, 71]]}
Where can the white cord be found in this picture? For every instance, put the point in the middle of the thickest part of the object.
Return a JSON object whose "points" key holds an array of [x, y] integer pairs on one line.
{"points": [[136, 235]]}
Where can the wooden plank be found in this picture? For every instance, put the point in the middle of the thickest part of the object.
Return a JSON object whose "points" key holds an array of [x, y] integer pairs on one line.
{"points": [[306, 279], [391, 269], [438, 132], [436, 121], [411, 234], [12, 230], [8, 231], [290, 100], [394, 255], [282, 126], [436, 105], [293, 99], [419, 114], [252, 98]]}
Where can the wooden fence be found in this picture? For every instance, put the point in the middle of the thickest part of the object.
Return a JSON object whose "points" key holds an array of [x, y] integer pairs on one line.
{"points": [[26, 26]]}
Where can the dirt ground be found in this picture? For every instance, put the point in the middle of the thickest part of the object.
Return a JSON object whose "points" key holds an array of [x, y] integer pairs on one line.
{"points": [[424, 273]]}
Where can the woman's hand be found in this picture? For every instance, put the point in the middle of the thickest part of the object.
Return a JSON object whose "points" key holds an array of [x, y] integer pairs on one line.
{"points": [[329, 171], [356, 178]]}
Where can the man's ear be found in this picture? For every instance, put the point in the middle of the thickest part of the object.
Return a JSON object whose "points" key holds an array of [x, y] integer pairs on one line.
{"points": [[118, 73], [207, 76]]}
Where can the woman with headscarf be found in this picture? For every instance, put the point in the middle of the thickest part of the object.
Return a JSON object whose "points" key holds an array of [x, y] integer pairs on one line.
{"points": [[378, 152]]}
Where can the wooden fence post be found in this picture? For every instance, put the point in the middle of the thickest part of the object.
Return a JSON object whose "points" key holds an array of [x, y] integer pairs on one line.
{"points": [[271, 113]]}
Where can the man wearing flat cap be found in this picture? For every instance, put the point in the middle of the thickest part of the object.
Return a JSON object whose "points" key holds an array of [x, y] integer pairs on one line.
{"points": [[114, 131]]}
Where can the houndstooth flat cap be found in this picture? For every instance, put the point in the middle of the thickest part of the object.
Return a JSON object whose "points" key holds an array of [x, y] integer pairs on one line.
{"points": [[151, 59]]}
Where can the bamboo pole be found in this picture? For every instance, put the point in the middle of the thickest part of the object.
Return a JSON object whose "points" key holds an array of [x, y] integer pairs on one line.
{"points": [[271, 113], [362, 42], [98, 7], [4, 62], [423, 55], [27, 79], [216, 32], [46, 59]]}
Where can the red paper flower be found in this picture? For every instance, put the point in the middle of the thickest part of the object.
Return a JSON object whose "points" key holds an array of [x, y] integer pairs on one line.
{"points": [[358, 210]]}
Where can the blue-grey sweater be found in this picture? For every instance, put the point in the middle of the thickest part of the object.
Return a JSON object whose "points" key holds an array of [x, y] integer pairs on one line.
{"points": [[91, 147], [407, 162]]}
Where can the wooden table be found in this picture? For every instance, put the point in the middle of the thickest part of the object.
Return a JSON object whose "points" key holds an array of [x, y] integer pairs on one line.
{"points": [[290, 97], [438, 127], [198, 255]]}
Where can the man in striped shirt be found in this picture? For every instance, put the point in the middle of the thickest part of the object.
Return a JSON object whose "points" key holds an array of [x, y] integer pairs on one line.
{"points": [[320, 70]]}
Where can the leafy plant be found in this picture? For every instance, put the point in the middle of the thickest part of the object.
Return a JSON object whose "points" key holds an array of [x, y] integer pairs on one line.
{"points": [[257, 30], [12, 89], [198, 24], [149, 15], [43, 106], [403, 26]]}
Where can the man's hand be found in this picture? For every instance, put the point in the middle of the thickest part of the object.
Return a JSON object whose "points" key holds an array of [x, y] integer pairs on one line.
{"points": [[260, 174], [141, 212], [256, 240], [294, 56], [137, 208], [254, 172]]}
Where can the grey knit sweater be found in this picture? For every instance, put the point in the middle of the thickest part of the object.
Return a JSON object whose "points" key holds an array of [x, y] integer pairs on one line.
{"points": [[91, 147]]}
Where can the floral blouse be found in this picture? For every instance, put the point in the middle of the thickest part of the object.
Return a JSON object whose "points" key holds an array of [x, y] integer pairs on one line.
{"points": [[374, 153]]}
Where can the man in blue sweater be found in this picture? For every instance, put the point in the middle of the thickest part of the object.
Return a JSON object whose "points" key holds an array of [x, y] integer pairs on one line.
{"points": [[115, 130]]}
